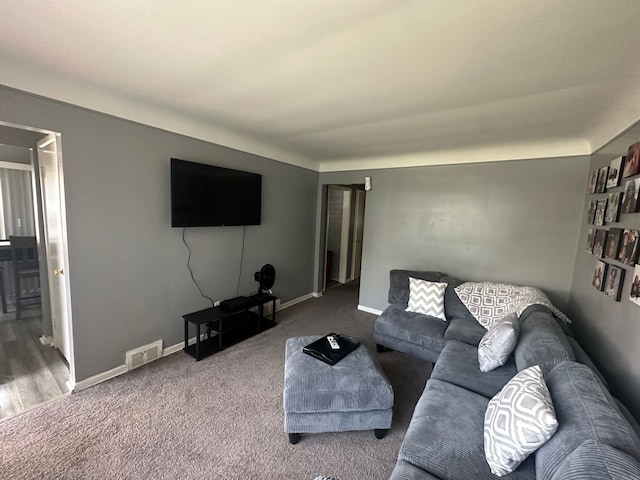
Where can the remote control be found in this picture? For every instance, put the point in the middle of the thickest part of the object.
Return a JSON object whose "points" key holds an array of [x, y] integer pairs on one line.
{"points": [[333, 342]]}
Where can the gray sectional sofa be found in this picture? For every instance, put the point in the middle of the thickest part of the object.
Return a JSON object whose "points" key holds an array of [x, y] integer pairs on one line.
{"points": [[596, 437]]}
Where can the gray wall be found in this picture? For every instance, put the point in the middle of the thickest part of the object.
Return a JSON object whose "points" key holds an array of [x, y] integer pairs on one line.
{"points": [[609, 330], [129, 280], [514, 221]]}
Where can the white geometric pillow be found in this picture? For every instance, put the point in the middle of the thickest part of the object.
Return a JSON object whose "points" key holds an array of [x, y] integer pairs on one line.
{"points": [[426, 297], [488, 302], [518, 420], [498, 343]]}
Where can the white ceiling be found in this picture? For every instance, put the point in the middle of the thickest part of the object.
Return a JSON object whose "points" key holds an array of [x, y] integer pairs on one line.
{"points": [[342, 84]]}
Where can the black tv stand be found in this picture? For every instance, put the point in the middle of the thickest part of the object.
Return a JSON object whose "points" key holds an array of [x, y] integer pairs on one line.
{"points": [[236, 304], [227, 327]]}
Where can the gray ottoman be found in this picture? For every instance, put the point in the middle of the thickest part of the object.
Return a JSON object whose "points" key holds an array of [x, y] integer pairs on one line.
{"points": [[354, 394]]}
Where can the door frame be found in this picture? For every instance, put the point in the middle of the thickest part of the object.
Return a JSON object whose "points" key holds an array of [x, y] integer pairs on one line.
{"points": [[57, 274], [358, 222], [30, 140]]}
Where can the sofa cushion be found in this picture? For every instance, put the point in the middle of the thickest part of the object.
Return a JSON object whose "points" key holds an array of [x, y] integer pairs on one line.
{"points": [[453, 307], [458, 364], [411, 327], [426, 297], [444, 437], [464, 331], [591, 426], [462, 325], [498, 343], [542, 341], [399, 283], [488, 302], [519, 419]]}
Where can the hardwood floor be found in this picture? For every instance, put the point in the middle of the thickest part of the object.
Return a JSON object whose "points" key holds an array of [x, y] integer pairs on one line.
{"points": [[30, 373]]}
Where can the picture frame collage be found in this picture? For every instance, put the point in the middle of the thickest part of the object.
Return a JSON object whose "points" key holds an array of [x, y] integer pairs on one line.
{"points": [[615, 248]]}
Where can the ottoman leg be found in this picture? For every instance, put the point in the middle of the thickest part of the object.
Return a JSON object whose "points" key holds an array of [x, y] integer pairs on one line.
{"points": [[380, 433], [295, 438]]}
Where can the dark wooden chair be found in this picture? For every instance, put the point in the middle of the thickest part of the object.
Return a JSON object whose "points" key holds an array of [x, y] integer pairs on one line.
{"points": [[24, 255]]}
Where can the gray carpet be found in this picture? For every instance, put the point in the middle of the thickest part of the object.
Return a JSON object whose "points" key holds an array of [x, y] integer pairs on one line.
{"points": [[218, 418]]}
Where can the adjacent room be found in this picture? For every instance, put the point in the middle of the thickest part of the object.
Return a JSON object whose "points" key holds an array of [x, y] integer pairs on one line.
{"points": [[439, 201]]}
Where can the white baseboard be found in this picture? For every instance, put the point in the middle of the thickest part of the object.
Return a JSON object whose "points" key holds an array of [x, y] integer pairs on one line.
{"points": [[177, 347], [99, 378], [114, 372], [317, 294], [293, 302], [375, 311]]}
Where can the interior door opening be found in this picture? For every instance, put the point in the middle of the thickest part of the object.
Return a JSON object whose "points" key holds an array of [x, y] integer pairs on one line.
{"points": [[39, 366], [344, 231]]}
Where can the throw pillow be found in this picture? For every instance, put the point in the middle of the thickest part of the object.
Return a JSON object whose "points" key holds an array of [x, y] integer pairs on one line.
{"points": [[498, 343], [427, 298], [488, 302], [519, 419]]}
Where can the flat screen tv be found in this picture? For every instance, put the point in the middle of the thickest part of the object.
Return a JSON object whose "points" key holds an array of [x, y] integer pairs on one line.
{"points": [[206, 195]]}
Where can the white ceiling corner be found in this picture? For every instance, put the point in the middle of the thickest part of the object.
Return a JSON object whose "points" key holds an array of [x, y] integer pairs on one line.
{"points": [[337, 85]]}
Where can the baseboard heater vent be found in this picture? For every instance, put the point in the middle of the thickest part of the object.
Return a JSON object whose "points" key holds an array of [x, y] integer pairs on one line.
{"points": [[144, 354]]}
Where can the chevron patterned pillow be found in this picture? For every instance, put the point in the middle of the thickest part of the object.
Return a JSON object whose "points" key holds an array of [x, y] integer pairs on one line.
{"points": [[426, 297], [519, 420]]}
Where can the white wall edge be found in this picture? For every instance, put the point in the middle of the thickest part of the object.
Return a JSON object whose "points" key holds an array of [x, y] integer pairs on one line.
{"points": [[375, 311], [114, 372]]}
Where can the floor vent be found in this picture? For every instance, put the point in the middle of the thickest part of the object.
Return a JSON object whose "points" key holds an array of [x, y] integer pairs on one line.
{"points": [[145, 354]]}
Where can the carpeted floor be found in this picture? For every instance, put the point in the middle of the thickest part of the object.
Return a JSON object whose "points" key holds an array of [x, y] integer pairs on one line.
{"points": [[220, 418]]}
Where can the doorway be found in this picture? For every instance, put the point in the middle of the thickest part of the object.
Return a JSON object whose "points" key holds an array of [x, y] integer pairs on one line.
{"points": [[345, 205], [36, 355]]}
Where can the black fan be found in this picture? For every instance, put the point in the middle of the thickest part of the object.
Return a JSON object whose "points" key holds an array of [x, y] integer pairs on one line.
{"points": [[266, 277]]}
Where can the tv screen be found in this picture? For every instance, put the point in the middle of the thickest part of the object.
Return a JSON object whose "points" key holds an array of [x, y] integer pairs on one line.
{"points": [[205, 195]]}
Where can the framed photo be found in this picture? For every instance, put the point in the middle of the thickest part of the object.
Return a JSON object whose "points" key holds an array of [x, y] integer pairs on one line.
{"points": [[593, 180], [601, 207], [630, 197], [634, 295], [601, 184], [591, 212], [613, 282], [628, 247], [612, 213], [632, 161], [591, 237], [599, 274], [615, 172], [613, 243], [598, 242]]}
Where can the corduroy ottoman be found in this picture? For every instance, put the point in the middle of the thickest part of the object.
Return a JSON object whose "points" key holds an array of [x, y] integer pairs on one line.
{"points": [[354, 394]]}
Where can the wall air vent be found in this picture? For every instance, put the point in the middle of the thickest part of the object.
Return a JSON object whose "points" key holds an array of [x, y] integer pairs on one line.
{"points": [[144, 354]]}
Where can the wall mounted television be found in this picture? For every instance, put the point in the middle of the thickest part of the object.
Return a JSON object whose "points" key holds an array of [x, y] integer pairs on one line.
{"points": [[206, 196]]}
